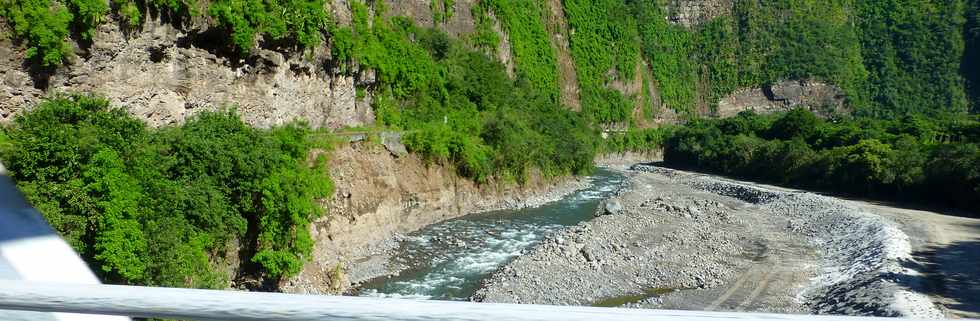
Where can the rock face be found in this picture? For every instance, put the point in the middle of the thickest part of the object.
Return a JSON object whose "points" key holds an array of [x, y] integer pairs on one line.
{"points": [[820, 97], [459, 24], [609, 207], [690, 13], [567, 75], [161, 76]]}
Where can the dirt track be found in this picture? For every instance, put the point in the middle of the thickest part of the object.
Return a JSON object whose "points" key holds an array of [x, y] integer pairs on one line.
{"points": [[947, 251]]}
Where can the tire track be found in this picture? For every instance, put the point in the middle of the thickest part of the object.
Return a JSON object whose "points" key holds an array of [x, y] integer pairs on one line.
{"points": [[756, 279], [761, 286], [731, 291]]}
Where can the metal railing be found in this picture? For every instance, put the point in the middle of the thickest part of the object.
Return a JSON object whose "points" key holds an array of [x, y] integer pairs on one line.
{"points": [[191, 304]]}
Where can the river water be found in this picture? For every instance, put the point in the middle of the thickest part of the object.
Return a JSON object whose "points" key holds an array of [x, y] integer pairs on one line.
{"points": [[448, 260]]}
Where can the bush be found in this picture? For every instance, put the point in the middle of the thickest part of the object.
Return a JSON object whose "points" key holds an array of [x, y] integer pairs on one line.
{"points": [[159, 206], [461, 109], [298, 22], [43, 25], [900, 159]]}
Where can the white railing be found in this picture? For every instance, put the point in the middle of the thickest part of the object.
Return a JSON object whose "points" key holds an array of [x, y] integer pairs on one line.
{"points": [[190, 304]]}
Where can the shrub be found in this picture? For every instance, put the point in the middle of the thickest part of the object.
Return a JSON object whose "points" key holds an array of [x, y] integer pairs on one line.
{"points": [[159, 206]]}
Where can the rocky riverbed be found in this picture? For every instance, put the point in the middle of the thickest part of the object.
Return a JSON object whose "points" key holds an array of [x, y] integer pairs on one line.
{"points": [[681, 240], [379, 259]]}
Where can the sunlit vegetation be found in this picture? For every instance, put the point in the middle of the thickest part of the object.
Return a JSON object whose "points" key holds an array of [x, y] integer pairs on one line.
{"points": [[460, 106], [169, 206], [761, 43], [603, 44], [530, 43], [636, 140], [45, 26], [908, 158], [299, 22]]}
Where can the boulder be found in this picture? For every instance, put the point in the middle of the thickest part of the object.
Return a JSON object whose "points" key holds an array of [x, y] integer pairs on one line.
{"points": [[589, 254], [609, 207], [393, 143]]}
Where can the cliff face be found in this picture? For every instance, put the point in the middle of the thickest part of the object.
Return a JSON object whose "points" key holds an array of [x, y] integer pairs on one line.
{"points": [[163, 75], [690, 13], [821, 98]]}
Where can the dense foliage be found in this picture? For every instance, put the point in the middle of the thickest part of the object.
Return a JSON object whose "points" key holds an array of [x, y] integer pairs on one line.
{"points": [[913, 50], [484, 37], [45, 26], [762, 42], [166, 206], [909, 158], [890, 57], [636, 140], [530, 42], [298, 22], [604, 41], [971, 54], [460, 107]]}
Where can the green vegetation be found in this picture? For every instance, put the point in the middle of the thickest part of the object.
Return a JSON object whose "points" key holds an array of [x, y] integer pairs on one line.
{"points": [[668, 48], [604, 41], [484, 37], [442, 10], [293, 22], [908, 158], [761, 43], [912, 50], [890, 57], [971, 53], [460, 106], [637, 140], [530, 43], [164, 206], [43, 26]]}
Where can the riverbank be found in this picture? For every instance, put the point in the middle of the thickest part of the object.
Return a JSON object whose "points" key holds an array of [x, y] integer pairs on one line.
{"points": [[681, 240], [376, 260], [448, 260], [381, 195]]}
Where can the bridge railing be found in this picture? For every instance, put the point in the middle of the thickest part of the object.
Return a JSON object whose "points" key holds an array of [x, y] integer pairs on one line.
{"points": [[215, 305]]}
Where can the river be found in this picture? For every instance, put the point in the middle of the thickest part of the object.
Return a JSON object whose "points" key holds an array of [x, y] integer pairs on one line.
{"points": [[448, 260]]}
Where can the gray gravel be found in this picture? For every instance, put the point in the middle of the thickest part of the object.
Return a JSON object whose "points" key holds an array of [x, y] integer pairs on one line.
{"points": [[689, 241]]}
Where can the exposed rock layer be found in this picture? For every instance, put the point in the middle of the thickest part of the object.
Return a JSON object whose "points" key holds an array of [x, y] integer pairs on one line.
{"points": [[162, 75], [379, 195], [819, 97]]}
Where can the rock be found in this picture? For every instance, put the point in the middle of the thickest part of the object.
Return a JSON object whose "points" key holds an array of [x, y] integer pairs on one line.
{"points": [[271, 57], [693, 211], [823, 99], [609, 207], [367, 77], [588, 254], [145, 74], [393, 143]]}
